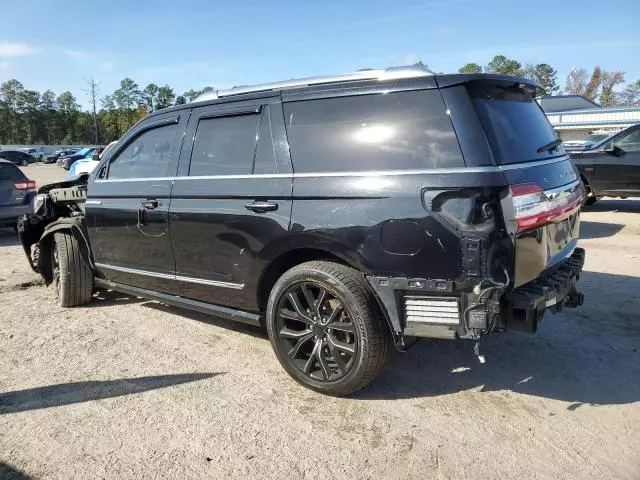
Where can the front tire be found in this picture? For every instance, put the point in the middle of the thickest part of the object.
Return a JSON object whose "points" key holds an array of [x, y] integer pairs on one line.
{"points": [[589, 198], [326, 328], [71, 276], [24, 163]]}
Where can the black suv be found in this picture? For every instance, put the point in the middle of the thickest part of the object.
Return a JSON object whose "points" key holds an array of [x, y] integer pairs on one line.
{"points": [[346, 213]]}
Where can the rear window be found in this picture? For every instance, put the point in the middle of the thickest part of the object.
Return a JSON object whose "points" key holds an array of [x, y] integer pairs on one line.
{"points": [[514, 123], [401, 130], [8, 172]]}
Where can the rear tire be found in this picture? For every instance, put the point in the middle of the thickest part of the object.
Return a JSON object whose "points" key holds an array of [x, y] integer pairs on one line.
{"points": [[326, 328], [72, 277]]}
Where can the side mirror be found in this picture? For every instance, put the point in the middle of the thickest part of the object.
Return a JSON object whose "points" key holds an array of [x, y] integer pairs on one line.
{"points": [[614, 150], [95, 156]]}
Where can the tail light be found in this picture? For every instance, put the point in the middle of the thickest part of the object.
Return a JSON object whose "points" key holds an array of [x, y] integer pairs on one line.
{"points": [[534, 207], [26, 186]]}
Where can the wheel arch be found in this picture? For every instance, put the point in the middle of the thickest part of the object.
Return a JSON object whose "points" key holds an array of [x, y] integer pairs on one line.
{"points": [[296, 256], [284, 262]]}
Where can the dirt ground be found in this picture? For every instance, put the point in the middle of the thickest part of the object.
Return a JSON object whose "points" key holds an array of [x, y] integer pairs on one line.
{"points": [[125, 388]]}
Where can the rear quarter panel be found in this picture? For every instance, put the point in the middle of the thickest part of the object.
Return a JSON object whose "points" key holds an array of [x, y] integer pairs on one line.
{"points": [[378, 222]]}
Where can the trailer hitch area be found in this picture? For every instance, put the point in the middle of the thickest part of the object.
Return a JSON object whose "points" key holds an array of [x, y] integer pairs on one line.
{"points": [[574, 299]]}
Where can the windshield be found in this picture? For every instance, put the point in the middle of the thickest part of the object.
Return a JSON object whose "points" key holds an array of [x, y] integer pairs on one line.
{"points": [[514, 123]]}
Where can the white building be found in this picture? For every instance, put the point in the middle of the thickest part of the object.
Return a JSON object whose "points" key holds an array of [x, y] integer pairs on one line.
{"points": [[574, 117]]}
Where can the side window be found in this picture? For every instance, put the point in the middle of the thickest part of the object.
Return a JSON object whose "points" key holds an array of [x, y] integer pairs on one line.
{"points": [[402, 130], [629, 142], [225, 145], [150, 154]]}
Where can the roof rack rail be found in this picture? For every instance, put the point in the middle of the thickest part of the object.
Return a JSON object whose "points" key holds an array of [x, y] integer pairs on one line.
{"points": [[391, 73]]}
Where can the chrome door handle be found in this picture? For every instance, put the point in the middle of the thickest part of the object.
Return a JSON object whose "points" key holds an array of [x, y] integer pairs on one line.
{"points": [[149, 204], [261, 207]]}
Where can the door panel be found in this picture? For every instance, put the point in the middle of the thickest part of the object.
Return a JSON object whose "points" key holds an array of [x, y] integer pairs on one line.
{"points": [[218, 242], [128, 211], [219, 236], [619, 174], [122, 242]]}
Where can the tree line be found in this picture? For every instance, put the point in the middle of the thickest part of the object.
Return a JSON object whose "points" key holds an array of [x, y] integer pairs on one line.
{"points": [[598, 86], [31, 117]]}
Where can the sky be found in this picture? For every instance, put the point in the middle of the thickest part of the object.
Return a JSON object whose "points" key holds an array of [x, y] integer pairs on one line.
{"points": [[58, 44]]}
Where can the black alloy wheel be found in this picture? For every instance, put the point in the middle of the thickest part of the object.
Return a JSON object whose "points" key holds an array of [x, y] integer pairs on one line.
{"points": [[326, 328], [316, 331]]}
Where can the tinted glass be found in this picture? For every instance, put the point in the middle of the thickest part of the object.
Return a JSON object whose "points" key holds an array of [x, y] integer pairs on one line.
{"points": [[629, 142], [224, 145], [402, 130], [150, 154], [10, 173], [514, 123], [8, 155]]}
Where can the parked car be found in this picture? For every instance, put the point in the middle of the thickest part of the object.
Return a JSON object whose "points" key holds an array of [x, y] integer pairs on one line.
{"points": [[58, 154], [589, 142], [38, 155], [16, 194], [67, 161], [86, 166], [17, 157], [612, 167], [346, 213]]}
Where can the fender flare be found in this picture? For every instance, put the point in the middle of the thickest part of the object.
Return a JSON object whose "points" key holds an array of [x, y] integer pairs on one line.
{"points": [[73, 225]]}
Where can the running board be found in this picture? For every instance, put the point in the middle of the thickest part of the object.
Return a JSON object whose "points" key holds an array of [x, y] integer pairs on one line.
{"points": [[216, 310]]}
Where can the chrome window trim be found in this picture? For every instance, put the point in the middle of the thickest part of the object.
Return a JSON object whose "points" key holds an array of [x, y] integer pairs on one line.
{"points": [[168, 276], [371, 173]]}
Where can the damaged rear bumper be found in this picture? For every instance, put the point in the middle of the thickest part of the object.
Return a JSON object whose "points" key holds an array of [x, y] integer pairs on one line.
{"points": [[441, 309], [553, 290]]}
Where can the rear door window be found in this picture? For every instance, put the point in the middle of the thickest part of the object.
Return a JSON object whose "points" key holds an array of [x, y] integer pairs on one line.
{"points": [[514, 123], [225, 145], [401, 130]]}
